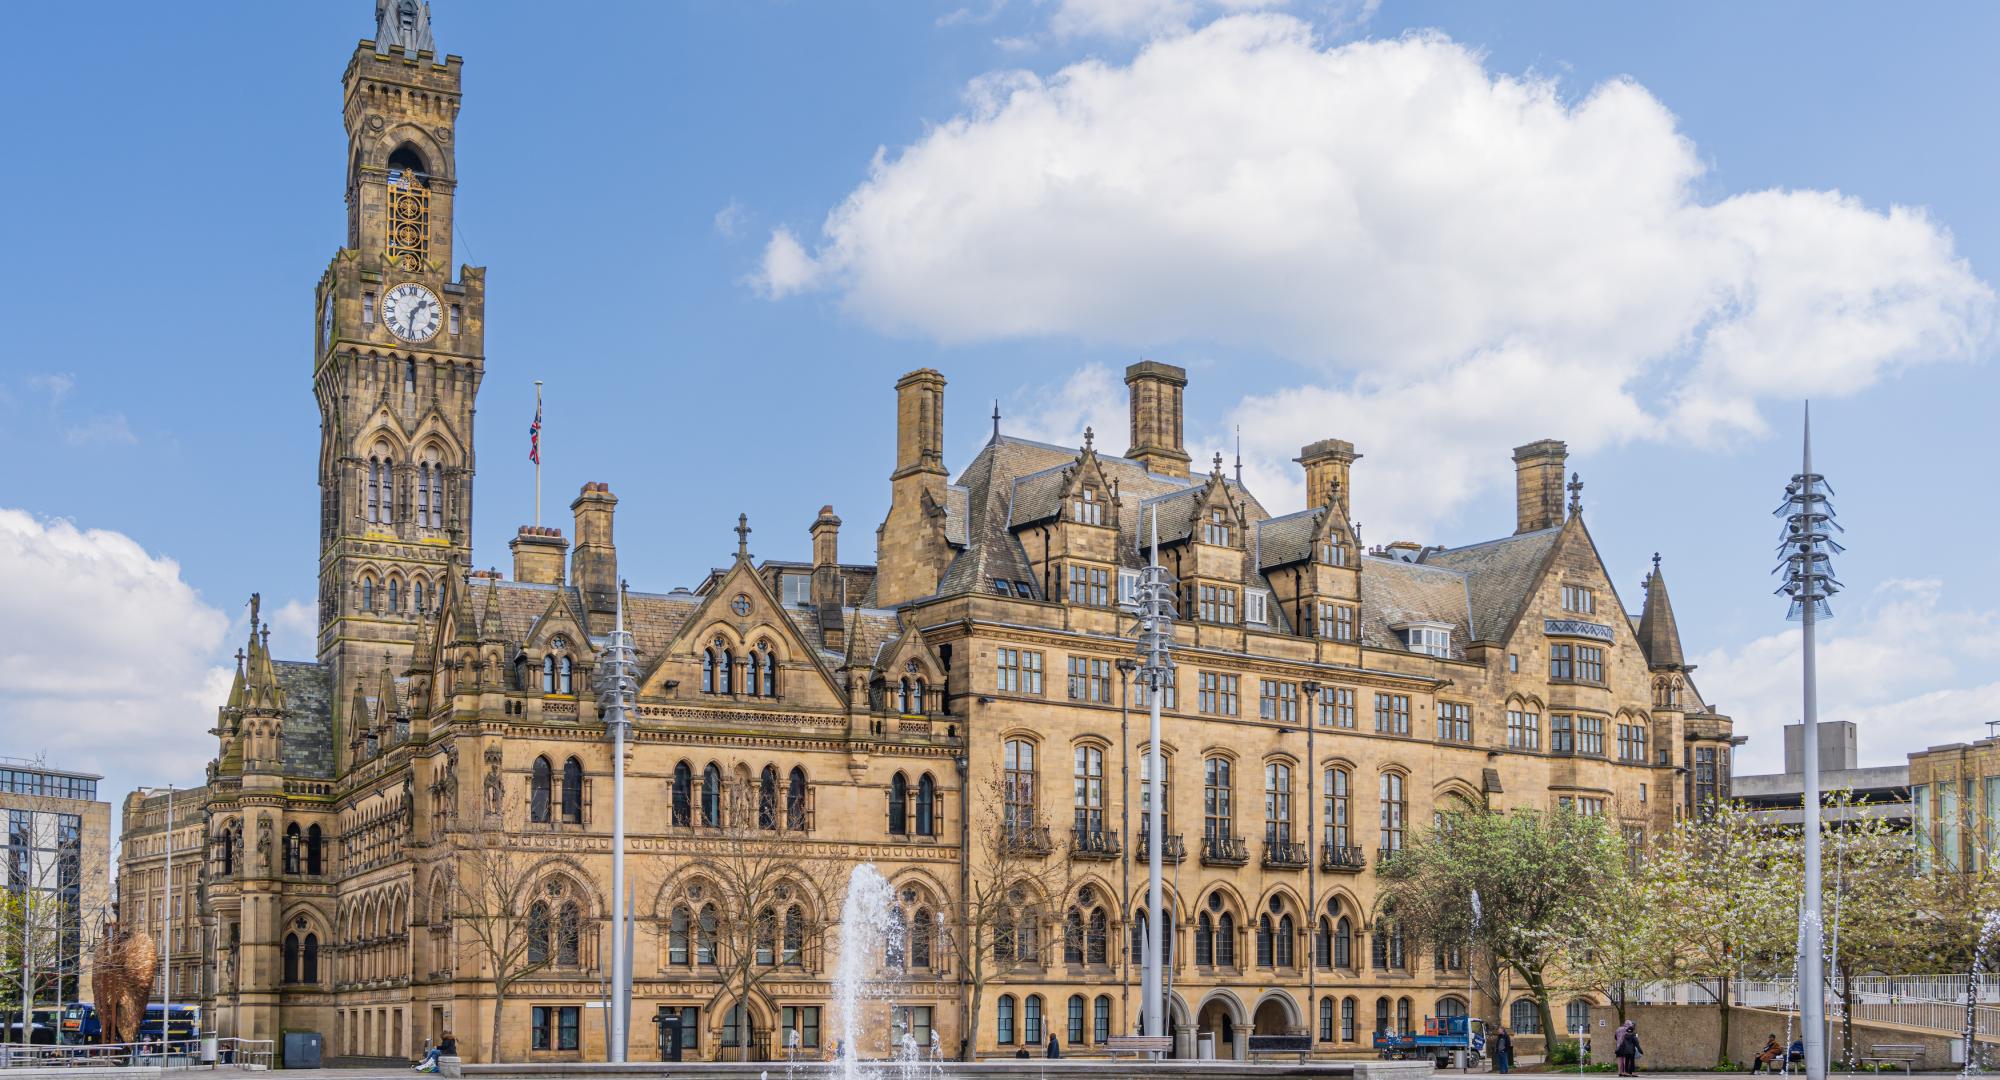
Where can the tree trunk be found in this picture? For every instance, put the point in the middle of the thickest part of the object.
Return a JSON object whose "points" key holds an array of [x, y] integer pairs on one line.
{"points": [[1540, 991], [971, 1032], [1722, 1004], [1847, 1013], [499, 1000]]}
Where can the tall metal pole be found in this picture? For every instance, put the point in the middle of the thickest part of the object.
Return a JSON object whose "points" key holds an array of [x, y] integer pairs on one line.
{"points": [[1156, 604], [1807, 549], [167, 946], [616, 691]]}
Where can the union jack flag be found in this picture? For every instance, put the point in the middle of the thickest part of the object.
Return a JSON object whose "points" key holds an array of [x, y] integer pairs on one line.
{"points": [[535, 433]]}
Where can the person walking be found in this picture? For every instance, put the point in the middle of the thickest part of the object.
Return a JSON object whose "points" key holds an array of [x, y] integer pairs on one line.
{"points": [[1767, 1058], [1055, 1048], [1503, 1050], [1626, 1045]]}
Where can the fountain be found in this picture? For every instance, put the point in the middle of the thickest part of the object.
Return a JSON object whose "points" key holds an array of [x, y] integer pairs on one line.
{"points": [[867, 931], [1988, 931]]}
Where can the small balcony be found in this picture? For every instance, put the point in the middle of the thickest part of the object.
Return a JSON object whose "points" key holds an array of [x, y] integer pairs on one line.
{"points": [[1384, 854], [1224, 851], [1089, 843], [1023, 839], [1286, 855], [1171, 848], [1341, 859]]}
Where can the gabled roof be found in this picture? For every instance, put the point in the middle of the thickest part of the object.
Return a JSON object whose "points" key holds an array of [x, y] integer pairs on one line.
{"points": [[1282, 541], [1659, 635], [1500, 576], [1396, 593]]}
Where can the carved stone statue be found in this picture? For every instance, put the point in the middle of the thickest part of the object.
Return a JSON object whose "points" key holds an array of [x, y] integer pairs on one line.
{"points": [[264, 843], [495, 793]]}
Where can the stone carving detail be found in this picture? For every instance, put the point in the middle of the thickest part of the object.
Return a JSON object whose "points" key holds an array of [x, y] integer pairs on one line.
{"points": [[495, 793], [264, 843]]}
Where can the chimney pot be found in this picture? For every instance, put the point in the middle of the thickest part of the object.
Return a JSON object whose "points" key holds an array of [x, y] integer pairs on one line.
{"points": [[1538, 485], [1155, 392]]}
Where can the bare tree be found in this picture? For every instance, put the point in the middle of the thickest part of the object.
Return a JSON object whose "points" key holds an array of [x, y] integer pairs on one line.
{"points": [[1016, 880], [491, 887], [50, 905]]}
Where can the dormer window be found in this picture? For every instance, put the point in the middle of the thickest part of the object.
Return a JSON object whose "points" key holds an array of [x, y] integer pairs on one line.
{"points": [[1431, 639], [1332, 554], [1128, 587], [1085, 509], [1256, 607], [1216, 529]]}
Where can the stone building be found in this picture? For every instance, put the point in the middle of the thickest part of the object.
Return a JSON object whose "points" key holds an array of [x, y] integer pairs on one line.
{"points": [[1954, 805], [965, 686], [57, 855], [165, 899]]}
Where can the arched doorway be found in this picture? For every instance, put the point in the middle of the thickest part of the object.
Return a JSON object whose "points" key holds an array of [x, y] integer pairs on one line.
{"points": [[1223, 1018], [1276, 1015]]}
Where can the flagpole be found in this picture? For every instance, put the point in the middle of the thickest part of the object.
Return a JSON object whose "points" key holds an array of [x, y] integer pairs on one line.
{"points": [[538, 453]]}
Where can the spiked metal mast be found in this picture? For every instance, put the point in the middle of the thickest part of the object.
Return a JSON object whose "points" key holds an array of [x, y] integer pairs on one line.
{"points": [[1155, 610], [1806, 553], [616, 692]]}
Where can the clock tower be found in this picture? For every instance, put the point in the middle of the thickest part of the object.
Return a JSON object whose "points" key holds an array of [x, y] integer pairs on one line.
{"points": [[398, 354]]}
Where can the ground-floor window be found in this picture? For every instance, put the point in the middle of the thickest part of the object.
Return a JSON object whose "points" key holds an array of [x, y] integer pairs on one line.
{"points": [[1075, 1019], [1031, 1020], [915, 1021], [1326, 1019], [1524, 1018], [801, 1022], [1004, 1020], [682, 1024], [736, 1026], [1102, 1022], [555, 1027]]}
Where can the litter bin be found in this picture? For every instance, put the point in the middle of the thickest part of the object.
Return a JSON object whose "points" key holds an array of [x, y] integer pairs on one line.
{"points": [[208, 1050], [1204, 1048]]}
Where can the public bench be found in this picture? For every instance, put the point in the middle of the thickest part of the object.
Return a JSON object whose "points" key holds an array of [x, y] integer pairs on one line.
{"points": [[1263, 1046], [1908, 1055], [1156, 1046]]}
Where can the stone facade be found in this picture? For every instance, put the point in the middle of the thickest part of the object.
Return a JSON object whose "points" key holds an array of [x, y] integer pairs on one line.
{"points": [[1955, 804], [955, 713], [146, 896]]}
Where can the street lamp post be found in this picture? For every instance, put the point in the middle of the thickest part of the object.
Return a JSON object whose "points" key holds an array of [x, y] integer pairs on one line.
{"points": [[1806, 552], [615, 696], [1155, 610]]}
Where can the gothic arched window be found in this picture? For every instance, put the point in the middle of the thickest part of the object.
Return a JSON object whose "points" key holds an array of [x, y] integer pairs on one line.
{"points": [[708, 671], [795, 935], [291, 963], [309, 960], [711, 795], [313, 836], [367, 592], [683, 795], [677, 936], [725, 668], [538, 933], [548, 674], [926, 806], [767, 798], [1204, 941], [795, 799], [539, 778], [770, 670], [395, 594], [899, 805], [567, 933], [563, 672], [294, 842], [417, 596], [572, 792]]}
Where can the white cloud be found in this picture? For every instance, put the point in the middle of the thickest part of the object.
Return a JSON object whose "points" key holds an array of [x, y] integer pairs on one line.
{"points": [[56, 385], [1092, 397], [295, 630], [1439, 247], [107, 655], [729, 219], [104, 428], [1139, 18], [1900, 663]]}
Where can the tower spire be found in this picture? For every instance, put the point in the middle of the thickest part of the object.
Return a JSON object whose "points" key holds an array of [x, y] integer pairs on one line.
{"points": [[404, 24]]}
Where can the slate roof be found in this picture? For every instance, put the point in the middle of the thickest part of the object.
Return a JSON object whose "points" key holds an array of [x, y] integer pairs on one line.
{"points": [[1499, 574], [1659, 634], [307, 746], [1394, 592], [1282, 541]]}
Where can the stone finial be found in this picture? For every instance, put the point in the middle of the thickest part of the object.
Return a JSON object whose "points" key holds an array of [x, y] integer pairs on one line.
{"points": [[1089, 437], [743, 536], [1575, 493]]}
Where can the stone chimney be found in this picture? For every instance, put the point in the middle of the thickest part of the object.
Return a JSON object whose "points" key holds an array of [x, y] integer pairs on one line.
{"points": [[594, 566], [1156, 417], [1538, 485], [828, 596], [910, 548], [539, 551], [1327, 462]]}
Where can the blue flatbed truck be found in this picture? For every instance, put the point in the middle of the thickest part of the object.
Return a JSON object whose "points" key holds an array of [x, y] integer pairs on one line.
{"points": [[1441, 1037]]}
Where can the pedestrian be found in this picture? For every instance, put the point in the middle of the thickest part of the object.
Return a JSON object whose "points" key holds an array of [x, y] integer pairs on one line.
{"points": [[1503, 1050], [1767, 1058], [1022, 1053], [1626, 1045], [1055, 1048]]}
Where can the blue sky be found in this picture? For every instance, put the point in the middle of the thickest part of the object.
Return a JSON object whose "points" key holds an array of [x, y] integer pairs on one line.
{"points": [[1607, 224]]}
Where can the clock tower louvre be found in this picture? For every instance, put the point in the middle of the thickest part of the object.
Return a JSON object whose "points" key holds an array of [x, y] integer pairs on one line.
{"points": [[398, 356]]}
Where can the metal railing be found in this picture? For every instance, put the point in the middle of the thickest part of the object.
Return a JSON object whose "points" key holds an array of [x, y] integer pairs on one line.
{"points": [[1087, 843], [1171, 848], [1026, 839], [1341, 858], [1224, 851], [171, 1054], [1286, 855]]}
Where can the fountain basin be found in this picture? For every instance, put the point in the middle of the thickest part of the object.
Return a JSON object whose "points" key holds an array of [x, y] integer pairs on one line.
{"points": [[1011, 1069]]}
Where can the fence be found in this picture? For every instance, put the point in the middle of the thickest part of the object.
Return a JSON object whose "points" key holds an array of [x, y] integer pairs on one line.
{"points": [[174, 1054]]}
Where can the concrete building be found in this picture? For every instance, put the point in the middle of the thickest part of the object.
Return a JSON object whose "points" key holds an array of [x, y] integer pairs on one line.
{"points": [[1955, 804], [57, 853], [1881, 791], [955, 712], [172, 911]]}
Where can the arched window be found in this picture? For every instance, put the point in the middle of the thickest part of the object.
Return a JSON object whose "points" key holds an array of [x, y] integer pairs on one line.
{"points": [[1094, 938], [291, 963], [736, 1026], [313, 848], [1524, 1018], [572, 792], [367, 593], [767, 798], [1347, 1006], [926, 806], [795, 935], [1277, 803], [677, 935], [899, 805], [1218, 801], [1225, 940], [417, 597], [903, 696], [1031, 1020], [563, 671], [711, 795], [1088, 777], [917, 698], [1287, 943], [1323, 944], [548, 674], [309, 961], [395, 594], [683, 795], [1576, 1017], [923, 927], [752, 668], [380, 486], [1395, 811], [1326, 1019], [1450, 1006], [1073, 937], [795, 800], [1003, 1015], [430, 490], [1403, 1014], [704, 935], [294, 855], [1264, 944], [1019, 787], [1138, 944], [538, 933], [765, 931], [708, 671], [539, 778], [895, 939], [770, 670], [725, 668], [1343, 943], [1100, 1020], [1076, 1028], [1204, 940], [1339, 834], [567, 934]]}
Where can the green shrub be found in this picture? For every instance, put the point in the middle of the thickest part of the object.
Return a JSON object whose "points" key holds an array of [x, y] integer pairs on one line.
{"points": [[1562, 1052]]}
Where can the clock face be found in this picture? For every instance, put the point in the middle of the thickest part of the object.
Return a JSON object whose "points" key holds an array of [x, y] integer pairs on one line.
{"points": [[411, 311]]}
